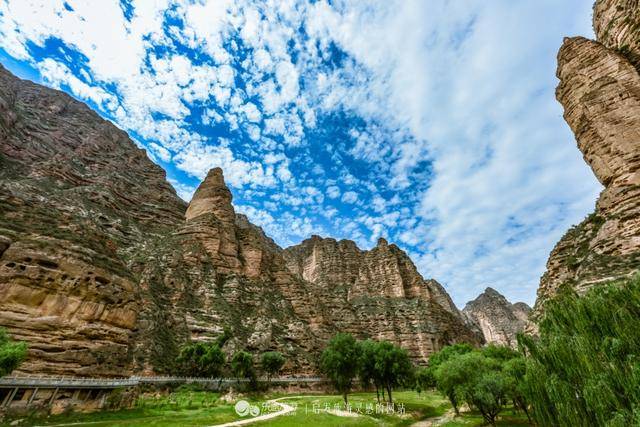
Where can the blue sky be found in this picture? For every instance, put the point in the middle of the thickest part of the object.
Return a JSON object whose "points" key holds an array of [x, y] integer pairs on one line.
{"points": [[430, 123]]}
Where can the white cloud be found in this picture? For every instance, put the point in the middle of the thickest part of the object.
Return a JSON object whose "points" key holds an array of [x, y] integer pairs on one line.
{"points": [[350, 197], [456, 138], [333, 192]]}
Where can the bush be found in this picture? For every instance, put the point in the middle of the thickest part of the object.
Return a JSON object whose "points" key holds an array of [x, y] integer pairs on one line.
{"points": [[272, 363], [12, 353]]}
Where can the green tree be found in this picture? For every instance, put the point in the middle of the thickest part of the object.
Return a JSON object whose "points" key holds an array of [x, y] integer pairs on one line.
{"points": [[242, 365], [515, 369], [584, 369], [424, 379], [212, 362], [12, 353], [272, 363], [367, 366], [488, 391], [475, 379], [393, 366], [340, 362], [447, 352], [201, 360]]}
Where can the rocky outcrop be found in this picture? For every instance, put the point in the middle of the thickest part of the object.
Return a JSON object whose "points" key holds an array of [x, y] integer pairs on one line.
{"points": [[615, 23], [379, 293], [498, 319], [104, 271], [75, 197], [600, 91]]}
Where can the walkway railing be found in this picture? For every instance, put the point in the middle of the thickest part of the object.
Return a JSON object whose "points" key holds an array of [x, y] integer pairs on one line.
{"points": [[77, 382]]}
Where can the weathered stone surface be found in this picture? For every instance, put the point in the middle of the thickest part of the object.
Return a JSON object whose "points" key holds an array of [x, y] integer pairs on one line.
{"points": [[617, 26], [380, 294], [600, 91], [106, 272], [75, 195], [498, 319]]}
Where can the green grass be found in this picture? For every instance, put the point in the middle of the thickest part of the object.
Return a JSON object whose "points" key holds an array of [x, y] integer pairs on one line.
{"points": [[312, 410], [184, 408], [507, 418], [199, 408]]}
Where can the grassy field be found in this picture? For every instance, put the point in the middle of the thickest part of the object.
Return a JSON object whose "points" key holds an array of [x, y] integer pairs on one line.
{"points": [[183, 408], [317, 410], [197, 408]]}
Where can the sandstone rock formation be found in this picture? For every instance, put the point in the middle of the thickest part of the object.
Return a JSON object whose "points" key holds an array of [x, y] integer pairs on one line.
{"points": [[106, 272], [498, 319], [379, 294], [600, 92], [75, 196]]}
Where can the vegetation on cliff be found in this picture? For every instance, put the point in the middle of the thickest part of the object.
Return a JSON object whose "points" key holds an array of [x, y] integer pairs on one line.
{"points": [[12, 353]]}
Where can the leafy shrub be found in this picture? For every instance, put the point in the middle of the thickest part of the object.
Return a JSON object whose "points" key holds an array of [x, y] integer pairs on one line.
{"points": [[12, 353]]}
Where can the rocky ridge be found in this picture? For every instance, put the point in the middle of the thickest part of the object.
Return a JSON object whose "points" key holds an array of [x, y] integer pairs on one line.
{"points": [[497, 319], [104, 271], [600, 91]]}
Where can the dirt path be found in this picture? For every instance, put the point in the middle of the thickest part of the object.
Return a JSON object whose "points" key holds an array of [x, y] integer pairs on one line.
{"points": [[285, 409], [436, 421]]}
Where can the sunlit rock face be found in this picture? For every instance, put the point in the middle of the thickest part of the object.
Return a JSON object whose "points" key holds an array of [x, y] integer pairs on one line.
{"points": [[76, 196], [379, 294], [498, 319], [600, 91], [104, 271]]}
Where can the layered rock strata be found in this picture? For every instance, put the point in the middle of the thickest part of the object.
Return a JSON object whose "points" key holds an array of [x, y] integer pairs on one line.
{"points": [[498, 319], [104, 271], [379, 294], [600, 91]]}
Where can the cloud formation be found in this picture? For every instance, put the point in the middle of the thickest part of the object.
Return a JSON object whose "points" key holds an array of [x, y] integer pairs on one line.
{"points": [[432, 124]]}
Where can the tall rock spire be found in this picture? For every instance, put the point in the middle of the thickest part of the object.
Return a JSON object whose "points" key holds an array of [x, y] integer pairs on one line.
{"points": [[599, 89], [212, 196], [211, 220]]}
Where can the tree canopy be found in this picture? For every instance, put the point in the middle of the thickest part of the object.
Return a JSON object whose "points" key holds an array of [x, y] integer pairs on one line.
{"points": [[242, 365], [340, 362], [584, 369], [201, 360], [272, 362]]}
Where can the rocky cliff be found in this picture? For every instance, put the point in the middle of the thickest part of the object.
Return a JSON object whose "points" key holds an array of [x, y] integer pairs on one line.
{"points": [[378, 293], [600, 91], [498, 319], [104, 271]]}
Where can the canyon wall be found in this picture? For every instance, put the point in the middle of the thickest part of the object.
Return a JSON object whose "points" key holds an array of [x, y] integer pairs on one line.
{"points": [[104, 271], [599, 90]]}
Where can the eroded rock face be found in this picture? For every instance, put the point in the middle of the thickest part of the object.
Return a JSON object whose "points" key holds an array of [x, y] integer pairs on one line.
{"points": [[600, 92], [498, 319], [106, 272], [615, 23], [379, 294], [75, 196]]}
